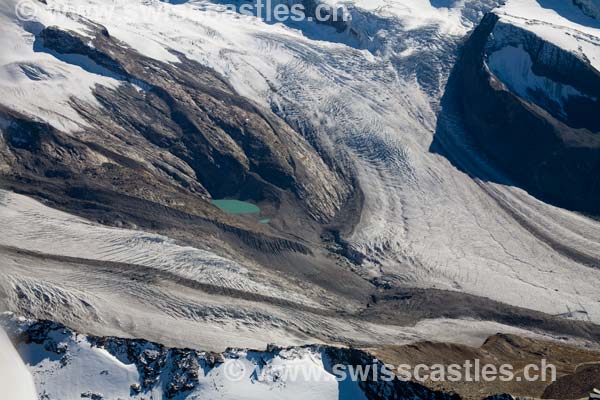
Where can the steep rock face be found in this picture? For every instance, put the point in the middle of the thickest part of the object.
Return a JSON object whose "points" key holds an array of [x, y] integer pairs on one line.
{"points": [[530, 106], [562, 83], [172, 134]]}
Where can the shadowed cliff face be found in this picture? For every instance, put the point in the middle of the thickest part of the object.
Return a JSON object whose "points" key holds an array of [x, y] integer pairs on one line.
{"points": [[547, 143], [170, 134]]}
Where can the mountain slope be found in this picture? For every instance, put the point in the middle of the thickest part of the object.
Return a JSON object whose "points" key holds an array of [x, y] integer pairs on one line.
{"points": [[398, 202], [541, 85]]}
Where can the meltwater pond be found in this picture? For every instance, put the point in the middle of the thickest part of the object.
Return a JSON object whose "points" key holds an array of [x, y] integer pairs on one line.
{"points": [[236, 207]]}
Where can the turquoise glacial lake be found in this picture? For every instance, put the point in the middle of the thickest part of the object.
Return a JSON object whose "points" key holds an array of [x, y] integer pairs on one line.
{"points": [[236, 207]]}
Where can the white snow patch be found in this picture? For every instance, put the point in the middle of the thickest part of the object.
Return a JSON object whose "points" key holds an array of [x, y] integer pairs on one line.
{"points": [[558, 21], [16, 382], [37, 83]]}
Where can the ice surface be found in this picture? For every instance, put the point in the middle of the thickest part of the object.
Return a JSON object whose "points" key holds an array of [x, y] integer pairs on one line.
{"points": [[370, 94]]}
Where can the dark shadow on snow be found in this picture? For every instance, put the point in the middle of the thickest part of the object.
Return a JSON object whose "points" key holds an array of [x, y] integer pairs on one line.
{"points": [[568, 10]]}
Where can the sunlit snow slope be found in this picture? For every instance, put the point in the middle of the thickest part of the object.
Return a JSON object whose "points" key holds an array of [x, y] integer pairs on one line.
{"points": [[68, 365], [15, 379]]}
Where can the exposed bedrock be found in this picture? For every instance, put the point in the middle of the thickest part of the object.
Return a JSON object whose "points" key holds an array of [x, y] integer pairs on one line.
{"points": [[532, 107], [171, 134]]}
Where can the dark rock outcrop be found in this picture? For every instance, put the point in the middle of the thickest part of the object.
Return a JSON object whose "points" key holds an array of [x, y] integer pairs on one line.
{"points": [[380, 386], [553, 155], [234, 147], [169, 137]]}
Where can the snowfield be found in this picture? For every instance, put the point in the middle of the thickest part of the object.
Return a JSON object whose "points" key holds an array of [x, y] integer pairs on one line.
{"points": [[559, 22], [37, 83]]}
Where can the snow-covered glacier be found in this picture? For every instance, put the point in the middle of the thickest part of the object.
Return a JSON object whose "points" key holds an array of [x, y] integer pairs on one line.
{"points": [[399, 193]]}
